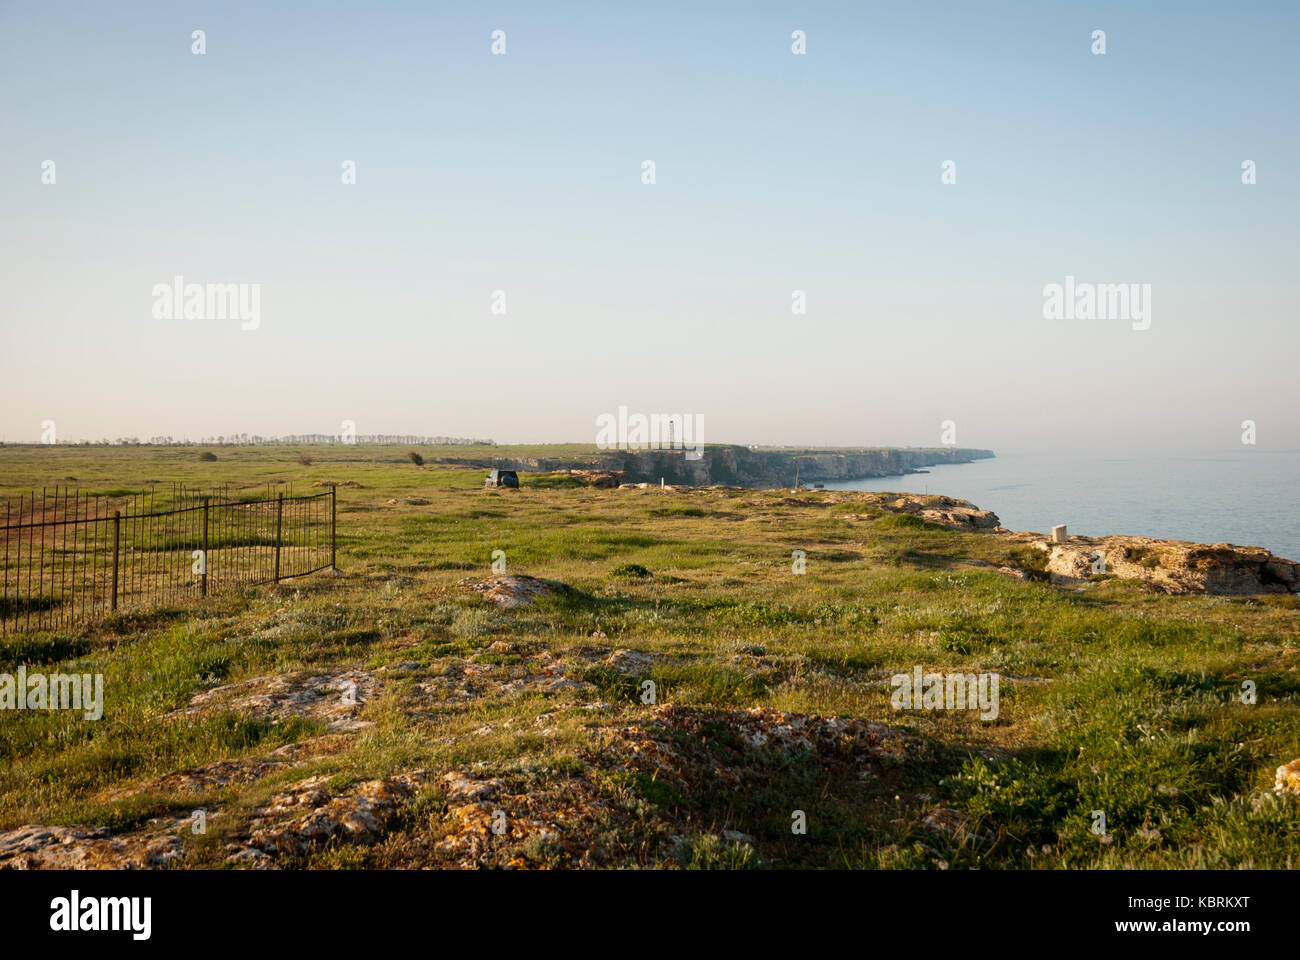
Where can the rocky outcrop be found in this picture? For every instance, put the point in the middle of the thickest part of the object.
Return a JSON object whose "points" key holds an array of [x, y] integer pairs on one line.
{"points": [[81, 847], [601, 479], [1174, 566], [336, 699], [309, 814], [224, 773], [510, 592], [944, 511], [686, 745]]}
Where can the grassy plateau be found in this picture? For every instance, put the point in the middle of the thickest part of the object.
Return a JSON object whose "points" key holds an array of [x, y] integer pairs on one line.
{"points": [[528, 725]]}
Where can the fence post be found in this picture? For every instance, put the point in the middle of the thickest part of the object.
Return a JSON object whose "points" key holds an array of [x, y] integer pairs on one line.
{"points": [[334, 499], [117, 541], [279, 519], [205, 546]]}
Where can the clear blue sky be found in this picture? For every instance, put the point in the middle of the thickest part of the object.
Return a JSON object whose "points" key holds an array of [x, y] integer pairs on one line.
{"points": [[775, 172]]}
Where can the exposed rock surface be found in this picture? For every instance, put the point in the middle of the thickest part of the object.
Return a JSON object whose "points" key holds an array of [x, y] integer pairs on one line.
{"points": [[675, 745], [490, 814], [603, 479], [309, 814], [1174, 566], [222, 773], [1287, 779], [492, 820], [302, 818], [211, 776], [335, 698], [944, 511], [465, 679], [91, 848], [513, 591], [496, 814], [630, 662]]}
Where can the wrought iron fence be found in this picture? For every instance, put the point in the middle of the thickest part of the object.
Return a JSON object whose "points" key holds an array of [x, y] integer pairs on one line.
{"points": [[70, 557]]}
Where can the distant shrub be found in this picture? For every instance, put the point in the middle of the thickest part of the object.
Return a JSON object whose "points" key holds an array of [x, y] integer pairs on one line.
{"points": [[630, 570], [415, 458], [304, 460], [207, 455]]}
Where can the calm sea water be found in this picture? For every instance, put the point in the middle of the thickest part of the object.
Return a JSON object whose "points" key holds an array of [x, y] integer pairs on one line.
{"points": [[1246, 498]]}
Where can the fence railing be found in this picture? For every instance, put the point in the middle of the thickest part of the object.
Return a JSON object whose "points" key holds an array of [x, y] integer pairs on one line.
{"points": [[70, 557]]}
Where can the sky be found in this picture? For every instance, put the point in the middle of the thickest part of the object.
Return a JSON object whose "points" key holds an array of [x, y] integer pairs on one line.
{"points": [[774, 172]]}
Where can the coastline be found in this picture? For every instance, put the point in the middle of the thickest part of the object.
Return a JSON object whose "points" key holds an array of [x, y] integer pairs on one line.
{"points": [[1240, 497]]}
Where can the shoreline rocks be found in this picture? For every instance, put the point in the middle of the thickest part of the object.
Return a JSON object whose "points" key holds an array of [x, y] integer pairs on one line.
{"points": [[1173, 566]]}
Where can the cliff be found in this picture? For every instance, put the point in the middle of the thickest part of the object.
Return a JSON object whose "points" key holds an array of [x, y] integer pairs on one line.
{"points": [[743, 466]]}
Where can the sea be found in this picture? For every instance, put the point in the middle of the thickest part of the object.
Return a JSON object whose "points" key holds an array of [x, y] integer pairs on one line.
{"points": [[1248, 498]]}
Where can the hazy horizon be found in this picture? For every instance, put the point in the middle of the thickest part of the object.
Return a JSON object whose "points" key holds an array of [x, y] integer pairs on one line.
{"points": [[775, 173], [1114, 453]]}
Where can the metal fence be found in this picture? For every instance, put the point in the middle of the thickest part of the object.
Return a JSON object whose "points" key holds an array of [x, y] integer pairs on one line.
{"points": [[69, 557]]}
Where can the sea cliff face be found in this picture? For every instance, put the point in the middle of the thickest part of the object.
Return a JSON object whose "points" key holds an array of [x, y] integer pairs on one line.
{"points": [[748, 467]]}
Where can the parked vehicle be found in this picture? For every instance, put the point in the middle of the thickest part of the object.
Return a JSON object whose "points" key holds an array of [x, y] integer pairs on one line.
{"points": [[502, 478]]}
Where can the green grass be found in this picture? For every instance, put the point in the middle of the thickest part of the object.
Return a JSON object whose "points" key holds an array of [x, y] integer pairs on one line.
{"points": [[1113, 697]]}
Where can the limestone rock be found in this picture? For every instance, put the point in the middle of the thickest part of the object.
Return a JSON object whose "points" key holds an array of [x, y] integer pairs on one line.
{"points": [[34, 847], [601, 479], [308, 814], [1287, 779], [335, 698], [513, 591], [462, 680], [944, 511], [629, 662], [213, 776], [858, 746], [1174, 566]]}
